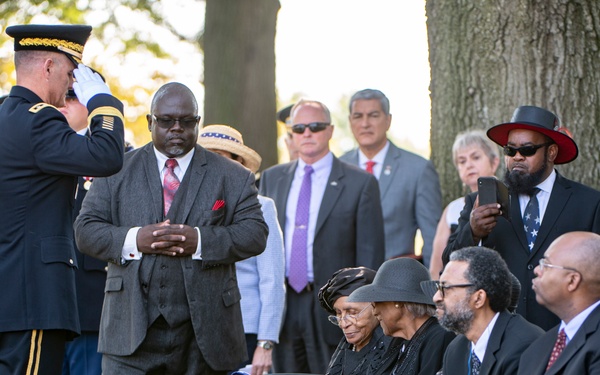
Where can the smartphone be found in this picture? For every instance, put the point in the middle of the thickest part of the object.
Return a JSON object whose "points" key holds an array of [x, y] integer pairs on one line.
{"points": [[492, 190]]}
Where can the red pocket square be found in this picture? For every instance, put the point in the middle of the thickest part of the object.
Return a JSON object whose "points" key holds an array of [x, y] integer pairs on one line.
{"points": [[219, 203]]}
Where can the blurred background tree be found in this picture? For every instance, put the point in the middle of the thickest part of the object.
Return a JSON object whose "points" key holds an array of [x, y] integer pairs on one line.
{"points": [[488, 57]]}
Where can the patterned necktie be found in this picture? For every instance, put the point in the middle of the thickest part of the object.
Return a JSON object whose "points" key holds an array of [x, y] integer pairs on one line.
{"points": [[531, 219], [170, 184], [370, 165], [475, 364], [559, 345], [298, 275]]}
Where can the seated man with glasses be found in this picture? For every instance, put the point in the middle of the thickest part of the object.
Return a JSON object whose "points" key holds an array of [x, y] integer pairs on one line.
{"points": [[472, 298], [568, 283], [364, 347], [544, 204]]}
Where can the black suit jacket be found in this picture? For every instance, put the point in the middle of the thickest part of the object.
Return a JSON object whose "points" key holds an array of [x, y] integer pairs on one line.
{"points": [[510, 336], [580, 356], [349, 228], [572, 207], [40, 157]]}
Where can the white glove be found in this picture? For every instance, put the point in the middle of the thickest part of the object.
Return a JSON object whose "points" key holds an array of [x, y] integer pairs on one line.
{"points": [[88, 84]]}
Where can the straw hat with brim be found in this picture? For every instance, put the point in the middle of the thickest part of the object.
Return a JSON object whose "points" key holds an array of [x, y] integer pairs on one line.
{"points": [[542, 121], [226, 138], [397, 280]]}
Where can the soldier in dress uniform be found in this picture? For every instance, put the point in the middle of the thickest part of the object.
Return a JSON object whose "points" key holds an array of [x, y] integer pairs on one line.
{"points": [[40, 157]]}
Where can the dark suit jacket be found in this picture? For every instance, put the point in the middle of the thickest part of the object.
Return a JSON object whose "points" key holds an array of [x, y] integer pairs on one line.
{"points": [[580, 356], [410, 198], [349, 228], [132, 198], [510, 336], [572, 207], [90, 277], [40, 157]]}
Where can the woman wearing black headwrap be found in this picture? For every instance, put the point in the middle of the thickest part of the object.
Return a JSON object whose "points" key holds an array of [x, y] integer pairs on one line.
{"points": [[364, 347]]}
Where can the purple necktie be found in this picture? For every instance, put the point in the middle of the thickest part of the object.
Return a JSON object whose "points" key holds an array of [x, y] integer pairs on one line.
{"points": [[298, 275], [170, 184]]}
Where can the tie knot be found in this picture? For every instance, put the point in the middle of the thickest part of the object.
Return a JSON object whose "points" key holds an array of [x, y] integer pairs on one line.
{"points": [[171, 163], [308, 169], [534, 192]]}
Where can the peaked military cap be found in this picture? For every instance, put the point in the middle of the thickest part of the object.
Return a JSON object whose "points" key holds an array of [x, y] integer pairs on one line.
{"points": [[68, 39]]}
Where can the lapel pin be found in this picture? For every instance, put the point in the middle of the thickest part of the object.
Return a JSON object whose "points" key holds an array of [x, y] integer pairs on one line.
{"points": [[388, 170], [333, 183]]}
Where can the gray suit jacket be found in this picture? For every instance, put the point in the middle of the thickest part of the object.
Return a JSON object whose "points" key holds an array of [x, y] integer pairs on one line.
{"points": [[510, 336], [349, 228], [580, 356], [133, 198], [411, 199]]}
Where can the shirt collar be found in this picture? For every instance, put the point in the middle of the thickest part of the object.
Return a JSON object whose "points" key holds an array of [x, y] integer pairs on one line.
{"points": [[182, 161], [481, 345], [320, 166], [573, 326], [379, 158]]}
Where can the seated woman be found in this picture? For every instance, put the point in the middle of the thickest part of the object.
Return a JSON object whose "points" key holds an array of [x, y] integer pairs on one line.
{"points": [[405, 311], [364, 347]]}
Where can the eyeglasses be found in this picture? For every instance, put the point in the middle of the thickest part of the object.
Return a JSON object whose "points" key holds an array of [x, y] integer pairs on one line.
{"points": [[168, 122], [525, 151], [443, 287], [544, 263], [314, 127], [352, 319]]}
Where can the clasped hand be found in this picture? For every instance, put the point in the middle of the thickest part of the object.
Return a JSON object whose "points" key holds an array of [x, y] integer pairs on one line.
{"points": [[167, 239]]}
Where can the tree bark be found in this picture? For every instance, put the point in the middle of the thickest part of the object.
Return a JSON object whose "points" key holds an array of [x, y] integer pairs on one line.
{"points": [[488, 57], [239, 71]]}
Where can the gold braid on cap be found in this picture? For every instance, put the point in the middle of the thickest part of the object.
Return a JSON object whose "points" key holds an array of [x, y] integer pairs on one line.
{"points": [[71, 48]]}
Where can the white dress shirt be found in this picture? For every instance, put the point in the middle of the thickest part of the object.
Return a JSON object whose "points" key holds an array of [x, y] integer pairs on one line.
{"points": [[319, 178], [379, 160], [481, 345]]}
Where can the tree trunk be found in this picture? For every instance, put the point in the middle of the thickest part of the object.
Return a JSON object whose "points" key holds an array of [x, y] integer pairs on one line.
{"points": [[490, 56], [239, 71]]}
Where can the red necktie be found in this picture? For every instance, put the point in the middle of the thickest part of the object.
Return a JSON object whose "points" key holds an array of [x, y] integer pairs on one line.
{"points": [[559, 345], [170, 184], [370, 165]]}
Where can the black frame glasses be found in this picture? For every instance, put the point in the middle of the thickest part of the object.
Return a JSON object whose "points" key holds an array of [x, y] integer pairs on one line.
{"points": [[544, 264], [314, 127], [443, 287], [348, 317], [525, 151], [168, 122]]}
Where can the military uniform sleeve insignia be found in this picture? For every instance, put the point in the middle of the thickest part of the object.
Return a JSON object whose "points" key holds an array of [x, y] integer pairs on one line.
{"points": [[38, 107]]}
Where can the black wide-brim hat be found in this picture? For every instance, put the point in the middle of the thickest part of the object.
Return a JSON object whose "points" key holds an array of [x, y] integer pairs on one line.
{"points": [[397, 280], [542, 121], [68, 39], [284, 113]]}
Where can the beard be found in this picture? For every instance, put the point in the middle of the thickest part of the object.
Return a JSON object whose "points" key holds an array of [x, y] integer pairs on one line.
{"points": [[523, 183], [460, 320]]}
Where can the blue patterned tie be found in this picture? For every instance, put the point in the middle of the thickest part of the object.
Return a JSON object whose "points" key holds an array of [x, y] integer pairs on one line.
{"points": [[475, 364], [531, 219], [298, 275]]}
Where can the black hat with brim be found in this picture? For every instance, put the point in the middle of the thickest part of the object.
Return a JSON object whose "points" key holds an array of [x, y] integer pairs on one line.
{"points": [[542, 121], [68, 39], [284, 113], [397, 280]]}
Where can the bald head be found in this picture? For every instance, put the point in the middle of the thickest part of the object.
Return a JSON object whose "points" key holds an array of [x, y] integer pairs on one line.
{"points": [[586, 258], [173, 89]]}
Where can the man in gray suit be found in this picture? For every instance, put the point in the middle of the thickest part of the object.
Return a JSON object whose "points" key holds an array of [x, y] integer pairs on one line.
{"points": [[409, 185], [172, 224], [339, 225]]}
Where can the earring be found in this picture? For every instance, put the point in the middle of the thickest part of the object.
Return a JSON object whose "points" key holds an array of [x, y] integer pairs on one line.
{"points": [[397, 306]]}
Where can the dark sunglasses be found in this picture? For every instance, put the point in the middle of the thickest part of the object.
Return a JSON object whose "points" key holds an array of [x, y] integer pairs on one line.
{"points": [[525, 150], [168, 122], [314, 127]]}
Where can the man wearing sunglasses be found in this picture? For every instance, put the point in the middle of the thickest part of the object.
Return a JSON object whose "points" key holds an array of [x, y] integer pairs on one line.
{"points": [[544, 204], [331, 218], [474, 293]]}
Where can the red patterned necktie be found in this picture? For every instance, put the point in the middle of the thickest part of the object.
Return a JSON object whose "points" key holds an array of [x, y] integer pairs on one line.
{"points": [[559, 345], [370, 165], [170, 184]]}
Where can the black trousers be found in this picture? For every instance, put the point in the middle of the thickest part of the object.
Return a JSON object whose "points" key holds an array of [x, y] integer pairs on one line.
{"points": [[35, 352]]}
